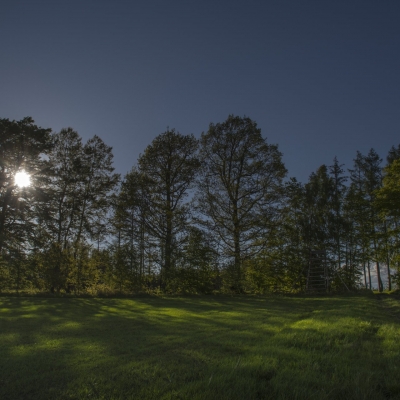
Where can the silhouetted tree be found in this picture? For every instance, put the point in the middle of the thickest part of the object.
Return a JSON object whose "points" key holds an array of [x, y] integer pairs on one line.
{"points": [[366, 178], [81, 181], [239, 188], [170, 164], [22, 147]]}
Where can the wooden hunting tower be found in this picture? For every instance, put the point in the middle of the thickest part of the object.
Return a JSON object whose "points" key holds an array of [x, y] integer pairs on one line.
{"points": [[317, 276]]}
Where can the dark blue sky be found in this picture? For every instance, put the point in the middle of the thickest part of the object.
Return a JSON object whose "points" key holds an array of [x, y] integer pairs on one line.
{"points": [[321, 78]]}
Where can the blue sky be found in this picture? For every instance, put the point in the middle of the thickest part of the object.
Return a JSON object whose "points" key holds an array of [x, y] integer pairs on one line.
{"points": [[321, 78]]}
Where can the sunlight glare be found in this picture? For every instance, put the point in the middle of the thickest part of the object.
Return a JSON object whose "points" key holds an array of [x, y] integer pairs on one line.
{"points": [[22, 179]]}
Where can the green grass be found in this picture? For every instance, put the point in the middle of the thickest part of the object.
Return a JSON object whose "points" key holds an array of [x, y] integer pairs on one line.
{"points": [[345, 347]]}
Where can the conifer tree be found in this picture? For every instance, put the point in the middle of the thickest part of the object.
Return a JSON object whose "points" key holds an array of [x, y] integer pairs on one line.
{"points": [[337, 222], [366, 178], [387, 202]]}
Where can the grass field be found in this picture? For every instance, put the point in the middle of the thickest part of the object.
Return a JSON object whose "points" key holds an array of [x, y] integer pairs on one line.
{"points": [[344, 347]]}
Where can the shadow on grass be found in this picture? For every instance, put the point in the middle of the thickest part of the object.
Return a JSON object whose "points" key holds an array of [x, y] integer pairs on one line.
{"points": [[197, 348]]}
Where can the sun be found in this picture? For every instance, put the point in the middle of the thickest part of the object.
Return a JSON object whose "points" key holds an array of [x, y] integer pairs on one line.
{"points": [[22, 179]]}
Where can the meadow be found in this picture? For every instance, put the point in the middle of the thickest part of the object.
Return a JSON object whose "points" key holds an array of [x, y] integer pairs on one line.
{"points": [[206, 347]]}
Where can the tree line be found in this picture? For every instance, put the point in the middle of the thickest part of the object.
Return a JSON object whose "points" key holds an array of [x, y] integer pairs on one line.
{"points": [[215, 214]]}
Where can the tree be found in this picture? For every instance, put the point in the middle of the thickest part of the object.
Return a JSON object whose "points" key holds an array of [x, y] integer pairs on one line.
{"points": [[387, 203], [169, 164], [79, 186], [355, 234], [197, 270], [239, 188], [394, 154], [317, 208], [388, 196], [337, 222], [22, 147], [96, 187], [292, 235], [366, 178], [130, 223], [62, 207]]}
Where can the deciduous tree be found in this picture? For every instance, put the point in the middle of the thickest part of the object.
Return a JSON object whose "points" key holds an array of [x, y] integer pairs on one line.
{"points": [[239, 188], [170, 164]]}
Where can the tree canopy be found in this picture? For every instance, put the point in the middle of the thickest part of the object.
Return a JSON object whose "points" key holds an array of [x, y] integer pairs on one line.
{"points": [[214, 214]]}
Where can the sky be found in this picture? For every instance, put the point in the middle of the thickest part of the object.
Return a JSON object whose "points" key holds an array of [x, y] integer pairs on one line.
{"points": [[320, 78]]}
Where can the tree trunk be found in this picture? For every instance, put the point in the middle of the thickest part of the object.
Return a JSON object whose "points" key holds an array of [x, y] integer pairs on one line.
{"points": [[365, 276], [141, 255], [237, 281], [378, 268], [387, 259], [378, 272], [168, 234], [6, 200], [369, 276]]}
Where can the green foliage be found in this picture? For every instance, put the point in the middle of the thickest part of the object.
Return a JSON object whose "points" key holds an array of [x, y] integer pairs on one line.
{"points": [[5, 275], [191, 280], [388, 196], [388, 205], [275, 272], [197, 270]]}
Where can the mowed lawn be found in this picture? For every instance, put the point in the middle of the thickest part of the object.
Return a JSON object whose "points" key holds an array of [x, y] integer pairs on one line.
{"points": [[341, 347]]}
